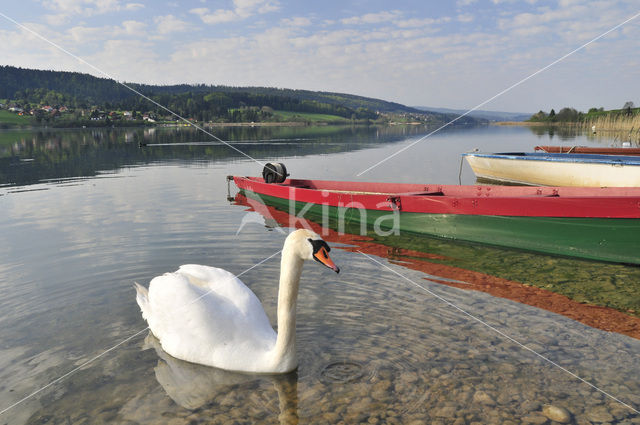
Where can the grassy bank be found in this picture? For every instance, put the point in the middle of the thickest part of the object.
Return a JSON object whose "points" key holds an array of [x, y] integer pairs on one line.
{"points": [[310, 117], [11, 120]]}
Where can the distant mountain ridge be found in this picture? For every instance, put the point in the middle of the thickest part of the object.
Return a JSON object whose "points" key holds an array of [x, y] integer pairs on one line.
{"points": [[36, 91], [96, 90], [486, 115]]}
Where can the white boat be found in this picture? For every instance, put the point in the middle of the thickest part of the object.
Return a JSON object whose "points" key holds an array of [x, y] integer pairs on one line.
{"points": [[557, 169]]}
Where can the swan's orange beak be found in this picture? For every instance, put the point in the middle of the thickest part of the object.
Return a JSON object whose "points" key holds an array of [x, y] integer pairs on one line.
{"points": [[323, 257]]}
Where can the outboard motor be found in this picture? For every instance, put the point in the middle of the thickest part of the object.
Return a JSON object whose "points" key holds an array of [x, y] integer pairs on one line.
{"points": [[274, 172]]}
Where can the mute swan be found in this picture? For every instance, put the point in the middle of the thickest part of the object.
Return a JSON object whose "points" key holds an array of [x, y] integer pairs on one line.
{"points": [[206, 315]]}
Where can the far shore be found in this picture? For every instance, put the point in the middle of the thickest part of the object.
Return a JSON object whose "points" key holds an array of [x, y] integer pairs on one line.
{"points": [[264, 124], [531, 123], [207, 125], [178, 124]]}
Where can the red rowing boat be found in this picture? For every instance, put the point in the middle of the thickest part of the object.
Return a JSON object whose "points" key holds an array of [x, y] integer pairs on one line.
{"points": [[589, 150], [593, 223]]}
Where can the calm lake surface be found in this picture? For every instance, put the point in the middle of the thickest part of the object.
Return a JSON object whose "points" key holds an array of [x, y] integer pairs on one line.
{"points": [[85, 213]]}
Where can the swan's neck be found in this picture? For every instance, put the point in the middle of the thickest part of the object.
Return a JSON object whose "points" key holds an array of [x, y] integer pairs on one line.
{"points": [[285, 349]]}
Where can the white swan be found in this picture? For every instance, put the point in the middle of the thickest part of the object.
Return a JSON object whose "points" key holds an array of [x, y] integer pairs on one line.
{"points": [[206, 315]]}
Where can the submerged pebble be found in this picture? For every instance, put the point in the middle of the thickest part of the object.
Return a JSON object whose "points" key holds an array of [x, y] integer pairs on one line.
{"points": [[534, 420], [558, 414], [600, 415], [483, 398]]}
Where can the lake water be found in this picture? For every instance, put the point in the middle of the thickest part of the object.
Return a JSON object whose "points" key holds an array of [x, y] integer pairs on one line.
{"points": [[84, 214]]}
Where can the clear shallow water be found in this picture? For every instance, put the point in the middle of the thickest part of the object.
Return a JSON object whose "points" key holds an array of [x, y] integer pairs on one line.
{"points": [[373, 347]]}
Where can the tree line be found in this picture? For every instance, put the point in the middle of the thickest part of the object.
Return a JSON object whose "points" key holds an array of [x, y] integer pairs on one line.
{"points": [[27, 87], [568, 114], [218, 106]]}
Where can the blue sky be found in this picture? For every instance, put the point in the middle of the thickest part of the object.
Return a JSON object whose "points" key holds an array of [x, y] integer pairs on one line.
{"points": [[454, 54]]}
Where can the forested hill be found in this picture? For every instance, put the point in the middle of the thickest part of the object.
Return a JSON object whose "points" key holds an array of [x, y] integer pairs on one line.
{"points": [[77, 88]]}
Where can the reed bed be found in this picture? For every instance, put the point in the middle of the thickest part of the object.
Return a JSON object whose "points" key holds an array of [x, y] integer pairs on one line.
{"points": [[614, 122], [625, 128]]}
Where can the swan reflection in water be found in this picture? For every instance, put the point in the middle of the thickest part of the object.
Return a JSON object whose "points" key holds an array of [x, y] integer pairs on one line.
{"points": [[193, 386]]}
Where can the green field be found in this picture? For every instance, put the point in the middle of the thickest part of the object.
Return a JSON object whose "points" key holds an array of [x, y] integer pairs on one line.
{"points": [[13, 119], [296, 116]]}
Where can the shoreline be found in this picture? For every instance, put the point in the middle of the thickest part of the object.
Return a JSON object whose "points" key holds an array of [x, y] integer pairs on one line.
{"points": [[536, 124], [268, 124], [519, 123], [202, 125]]}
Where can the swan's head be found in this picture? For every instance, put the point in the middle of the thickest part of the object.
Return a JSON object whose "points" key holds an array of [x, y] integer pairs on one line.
{"points": [[309, 245]]}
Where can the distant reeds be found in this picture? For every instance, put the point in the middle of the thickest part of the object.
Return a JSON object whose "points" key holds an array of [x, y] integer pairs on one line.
{"points": [[625, 127], [614, 122]]}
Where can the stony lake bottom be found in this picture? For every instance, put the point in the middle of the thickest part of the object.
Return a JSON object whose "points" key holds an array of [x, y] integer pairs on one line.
{"points": [[87, 213]]}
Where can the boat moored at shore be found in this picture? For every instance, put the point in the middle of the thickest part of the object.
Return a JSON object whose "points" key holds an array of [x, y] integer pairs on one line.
{"points": [[557, 169], [592, 223]]}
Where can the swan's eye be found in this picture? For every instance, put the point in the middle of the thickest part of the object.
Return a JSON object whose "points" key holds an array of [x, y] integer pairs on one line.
{"points": [[318, 244]]}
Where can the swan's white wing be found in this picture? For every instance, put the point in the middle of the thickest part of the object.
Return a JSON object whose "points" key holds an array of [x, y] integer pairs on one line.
{"points": [[207, 315]]}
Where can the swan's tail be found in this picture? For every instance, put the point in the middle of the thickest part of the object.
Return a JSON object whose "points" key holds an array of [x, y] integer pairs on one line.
{"points": [[142, 297]]}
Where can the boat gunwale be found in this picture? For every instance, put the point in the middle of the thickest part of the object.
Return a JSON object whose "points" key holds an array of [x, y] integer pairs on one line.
{"points": [[542, 201], [582, 158], [440, 190], [590, 150]]}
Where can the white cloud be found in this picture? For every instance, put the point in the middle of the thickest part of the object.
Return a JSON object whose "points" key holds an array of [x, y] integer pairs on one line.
{"points": [[568, 3], [23, 49], [246, 8], [83, 7], [269, 6], [169, 24], [572, 22], [128, 60], [66, 10], [131, 28], [372, 18], [243, 9], [531, 30], [420, 23], [215, 17], [396, 18], [57, 19], [134, 6], [465, 17], [296, 22], [82, 35]]}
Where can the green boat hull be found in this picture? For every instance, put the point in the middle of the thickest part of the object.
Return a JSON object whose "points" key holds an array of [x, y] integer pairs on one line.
{"points": [[602, 239]]}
